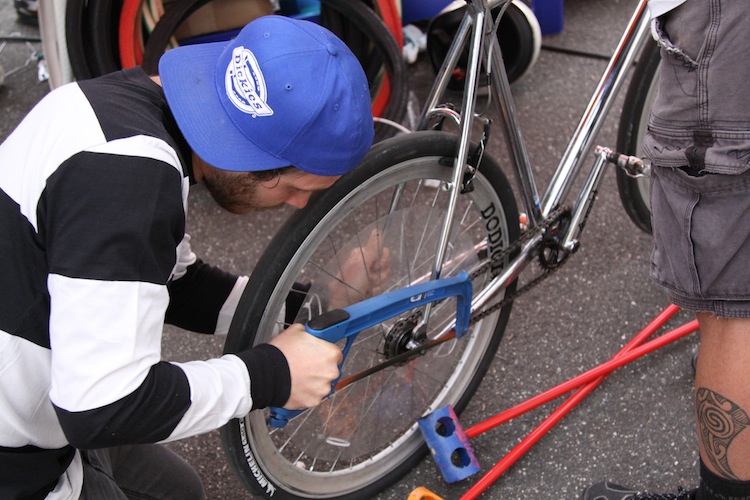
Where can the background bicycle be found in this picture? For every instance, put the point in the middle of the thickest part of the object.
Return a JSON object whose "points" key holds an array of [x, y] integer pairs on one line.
{"points": [[87, 39], [575, 321]]}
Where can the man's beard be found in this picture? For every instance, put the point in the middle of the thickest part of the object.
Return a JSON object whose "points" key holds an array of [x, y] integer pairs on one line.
{"points": [[235, 192]]}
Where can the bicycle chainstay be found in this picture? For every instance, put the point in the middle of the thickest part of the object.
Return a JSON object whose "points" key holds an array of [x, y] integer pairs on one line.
{"points": [[557, 215]]}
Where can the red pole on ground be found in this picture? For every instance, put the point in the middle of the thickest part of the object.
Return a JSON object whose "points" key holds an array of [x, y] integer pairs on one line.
{"points": [[566, 387], [587, 382]]}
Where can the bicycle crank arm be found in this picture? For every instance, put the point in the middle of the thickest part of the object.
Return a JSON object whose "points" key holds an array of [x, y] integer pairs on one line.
{"points": [[344, 324]]}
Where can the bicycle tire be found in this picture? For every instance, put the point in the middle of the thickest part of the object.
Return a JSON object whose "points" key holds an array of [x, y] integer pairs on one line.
{"points": [[518, 34], [89, 37], [353, 21], [128, 44], [634, 192], [102, 35], [374, 44], [335, 223], [79, 52]]}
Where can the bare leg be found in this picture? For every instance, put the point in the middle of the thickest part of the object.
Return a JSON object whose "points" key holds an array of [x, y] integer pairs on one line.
{"points": [[722, 389]]}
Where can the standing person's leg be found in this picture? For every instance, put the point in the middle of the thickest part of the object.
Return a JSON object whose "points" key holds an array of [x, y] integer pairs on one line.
{"points": [[722, 390], [700, 127], [147, 471], [702, 257], [699, 143], [702, 251]]}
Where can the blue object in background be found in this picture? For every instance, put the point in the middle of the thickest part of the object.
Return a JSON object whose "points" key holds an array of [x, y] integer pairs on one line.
{"points": [[550, 15], [548, 12], [419, 10], [300, 9]]}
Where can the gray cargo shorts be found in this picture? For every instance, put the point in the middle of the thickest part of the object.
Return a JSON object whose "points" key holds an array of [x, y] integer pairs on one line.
{"points": [[702, 240], [699, 145]]}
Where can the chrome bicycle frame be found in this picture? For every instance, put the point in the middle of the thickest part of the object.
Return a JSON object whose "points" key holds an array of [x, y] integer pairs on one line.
{"points": [[476, 31]]}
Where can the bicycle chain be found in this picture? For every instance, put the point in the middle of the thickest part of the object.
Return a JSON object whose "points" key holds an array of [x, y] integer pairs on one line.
{"points": [[557, 215], [541, 228]]}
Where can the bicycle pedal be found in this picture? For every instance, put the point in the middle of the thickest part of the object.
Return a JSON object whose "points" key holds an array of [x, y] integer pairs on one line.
{"points": [[449, 444]]}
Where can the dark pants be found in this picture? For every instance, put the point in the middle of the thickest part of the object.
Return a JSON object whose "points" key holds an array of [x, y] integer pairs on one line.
{"points": [[146, 471]]}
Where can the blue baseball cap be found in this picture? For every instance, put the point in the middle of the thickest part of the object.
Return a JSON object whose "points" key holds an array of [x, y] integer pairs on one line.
{"points": [[283, 92]]}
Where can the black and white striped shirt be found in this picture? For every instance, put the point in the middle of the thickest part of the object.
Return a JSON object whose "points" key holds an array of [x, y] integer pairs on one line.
{"points": [[93, 259]]}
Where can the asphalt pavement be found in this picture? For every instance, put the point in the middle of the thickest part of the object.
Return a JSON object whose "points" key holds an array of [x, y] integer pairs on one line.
{"points": [[636, 428]]}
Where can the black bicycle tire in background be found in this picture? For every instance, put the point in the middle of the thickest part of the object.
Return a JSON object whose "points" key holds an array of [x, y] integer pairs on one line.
{"points": [[367, 35], [390, 163], [103, 24], [633, 121], [91, 37], [77, 48], [517, 38], [352, 20]]}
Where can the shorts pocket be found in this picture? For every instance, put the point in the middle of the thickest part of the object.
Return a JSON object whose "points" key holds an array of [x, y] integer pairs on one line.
{"points": [[702, 234]]}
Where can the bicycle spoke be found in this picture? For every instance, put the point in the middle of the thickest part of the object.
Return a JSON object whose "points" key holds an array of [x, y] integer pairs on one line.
{"points": [[387, 227]]}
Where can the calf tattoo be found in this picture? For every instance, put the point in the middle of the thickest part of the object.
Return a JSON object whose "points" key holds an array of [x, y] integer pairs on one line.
{"points": [[719, 421]]}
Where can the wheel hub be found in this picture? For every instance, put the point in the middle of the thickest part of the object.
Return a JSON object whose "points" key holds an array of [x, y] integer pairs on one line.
{"points": [[401, 335]]}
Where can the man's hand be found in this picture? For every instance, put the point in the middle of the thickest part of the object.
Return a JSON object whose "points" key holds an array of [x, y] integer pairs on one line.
{"points": [[313, 365], [362, 274]]}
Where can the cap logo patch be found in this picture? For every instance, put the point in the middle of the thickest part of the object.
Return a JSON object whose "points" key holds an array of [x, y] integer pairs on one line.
{"points": [[245, 85]]}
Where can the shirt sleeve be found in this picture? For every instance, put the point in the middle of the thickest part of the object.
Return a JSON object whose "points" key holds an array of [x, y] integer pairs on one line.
{"points": [[197, 298], [111, 226]]}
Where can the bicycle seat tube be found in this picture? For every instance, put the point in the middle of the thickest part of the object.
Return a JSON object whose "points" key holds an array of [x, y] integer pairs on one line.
{"points": [[476, 29]]}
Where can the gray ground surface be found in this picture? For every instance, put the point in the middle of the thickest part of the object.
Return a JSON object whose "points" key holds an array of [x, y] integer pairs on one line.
{"points": [[636, 428]]}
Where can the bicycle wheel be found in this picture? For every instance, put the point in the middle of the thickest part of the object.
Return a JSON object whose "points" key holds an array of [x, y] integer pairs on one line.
{"points": [[352, 21], [519, 35], [634, 193], [365, 436], [79, 52]]}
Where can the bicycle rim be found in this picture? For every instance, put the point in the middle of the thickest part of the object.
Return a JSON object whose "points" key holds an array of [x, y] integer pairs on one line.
{"points": [[366, 435]]}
